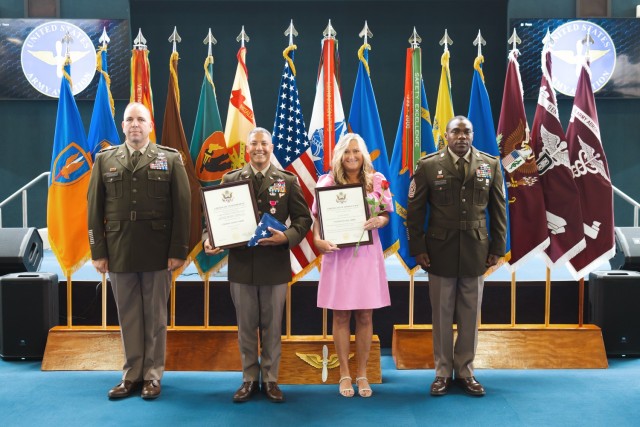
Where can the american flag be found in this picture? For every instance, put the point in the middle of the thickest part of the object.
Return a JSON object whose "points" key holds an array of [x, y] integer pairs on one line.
{"points": [[262, 231], [292, 150]]}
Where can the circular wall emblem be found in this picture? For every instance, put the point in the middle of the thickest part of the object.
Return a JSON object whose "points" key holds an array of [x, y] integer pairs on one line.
{"points": [[43, 55], [569, 49]]}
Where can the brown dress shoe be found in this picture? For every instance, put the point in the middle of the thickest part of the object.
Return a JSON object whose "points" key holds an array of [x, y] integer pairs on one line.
{"points": [[471, 386], [124, 389], [273, 392], [151, 389], [440, 386], [246, 390]]}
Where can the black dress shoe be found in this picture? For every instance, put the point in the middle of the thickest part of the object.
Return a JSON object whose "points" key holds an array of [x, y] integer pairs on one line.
{"points": [[151, 389], [246, 390], [124, 389], [440, 386], [273, 392], [471, 386]]}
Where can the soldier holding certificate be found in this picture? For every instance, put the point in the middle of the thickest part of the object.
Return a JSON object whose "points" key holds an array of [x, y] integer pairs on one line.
{"points": [[258, 275]]}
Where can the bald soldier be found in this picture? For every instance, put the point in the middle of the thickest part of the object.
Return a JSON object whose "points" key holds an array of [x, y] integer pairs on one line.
{"points": [[139, 212], [457, 186]]}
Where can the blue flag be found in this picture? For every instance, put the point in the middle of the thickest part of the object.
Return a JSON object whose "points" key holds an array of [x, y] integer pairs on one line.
{"points": [[484, 134], [68, 184], [402, 178], [102, 130], [365, 121]]}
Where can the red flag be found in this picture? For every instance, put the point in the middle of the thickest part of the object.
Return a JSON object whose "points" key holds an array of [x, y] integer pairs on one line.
{"points": [[526, 202], [173, 136], [141, 82], [561, 198], [591, 174]]}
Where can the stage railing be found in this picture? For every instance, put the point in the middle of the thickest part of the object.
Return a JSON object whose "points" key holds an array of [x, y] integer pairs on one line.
{"points": [[23, 191]]}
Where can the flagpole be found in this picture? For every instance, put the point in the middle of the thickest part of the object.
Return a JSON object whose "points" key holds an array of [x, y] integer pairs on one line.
{"points": [[69, 303], [207, 292], [411, 298], [288, 303], [581, 302], [324, 323], [104, 301], [547, 298], [173, 300], [513, 299]]}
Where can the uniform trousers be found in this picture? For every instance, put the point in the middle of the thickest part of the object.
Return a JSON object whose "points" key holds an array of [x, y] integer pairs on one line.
{"points": [[462, 297], [259, 309], [142, 299]]}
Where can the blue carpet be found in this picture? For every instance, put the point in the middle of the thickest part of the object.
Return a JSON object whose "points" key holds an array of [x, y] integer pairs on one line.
{"points": [[599, 397]]}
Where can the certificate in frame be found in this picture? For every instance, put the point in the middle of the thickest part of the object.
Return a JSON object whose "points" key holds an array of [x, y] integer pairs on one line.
{"points": [[342, 212], [231, 212]]}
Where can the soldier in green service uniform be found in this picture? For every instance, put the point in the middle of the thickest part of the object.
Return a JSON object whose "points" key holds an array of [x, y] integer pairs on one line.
{"points": [[458, 184], [139, 212], [258, 275]]}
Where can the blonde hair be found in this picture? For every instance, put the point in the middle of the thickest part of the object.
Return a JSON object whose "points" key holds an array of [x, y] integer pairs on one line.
{"points": [[337, 170]]}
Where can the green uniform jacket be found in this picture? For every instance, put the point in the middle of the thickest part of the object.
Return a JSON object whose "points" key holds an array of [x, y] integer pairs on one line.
{"points": [[457, 238], [139, 219], [282, 197]]}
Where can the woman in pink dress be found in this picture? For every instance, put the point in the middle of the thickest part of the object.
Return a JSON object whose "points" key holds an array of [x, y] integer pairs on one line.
{"points": [[354, 280]]}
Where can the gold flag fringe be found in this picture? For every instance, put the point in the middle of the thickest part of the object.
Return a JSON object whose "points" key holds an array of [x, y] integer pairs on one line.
{"points": [[285, 54], [361, 56], [476, 64]]}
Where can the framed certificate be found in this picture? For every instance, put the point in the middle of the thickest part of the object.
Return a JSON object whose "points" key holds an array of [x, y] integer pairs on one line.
{"points": [[342, 212], [231, 212]]}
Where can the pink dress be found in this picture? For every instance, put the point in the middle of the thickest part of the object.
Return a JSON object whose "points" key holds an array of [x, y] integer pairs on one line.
{"points": [[358, 282]]}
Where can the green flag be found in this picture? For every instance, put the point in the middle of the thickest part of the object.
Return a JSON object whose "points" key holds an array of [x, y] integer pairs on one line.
{"points": [[210, 157]]}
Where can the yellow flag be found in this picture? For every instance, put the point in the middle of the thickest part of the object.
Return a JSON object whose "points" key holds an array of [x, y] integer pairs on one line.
{"points": [[444, 104], [240, 118]]}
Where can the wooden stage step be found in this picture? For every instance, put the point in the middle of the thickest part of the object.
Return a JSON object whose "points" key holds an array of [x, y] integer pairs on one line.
{"points": [[510, 347], [199, 349]]}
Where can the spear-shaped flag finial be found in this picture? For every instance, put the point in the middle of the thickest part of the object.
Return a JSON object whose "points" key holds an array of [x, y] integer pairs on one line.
{"points": [[67, 40], [242, 37], [547, 41], [514, 40], [104, 38], [291, 32], [479, 41], [366, 33], [175, 39], [446, 40], [415, 39], [140, 42], [587, 41], [329, 32], [210, 41]]}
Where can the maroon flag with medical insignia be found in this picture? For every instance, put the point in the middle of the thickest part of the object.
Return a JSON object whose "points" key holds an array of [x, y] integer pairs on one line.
{"points": [[591, 174], [526, 203], [561, 198], [173, 136]]}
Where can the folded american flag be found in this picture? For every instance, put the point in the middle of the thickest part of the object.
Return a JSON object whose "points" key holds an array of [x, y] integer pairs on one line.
{"points": [[262, 231]]}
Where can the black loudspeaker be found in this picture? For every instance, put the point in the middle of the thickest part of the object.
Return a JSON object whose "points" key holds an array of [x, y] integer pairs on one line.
{"points": [[28, 309], [20, 250], [627, 255], [613, 305]]}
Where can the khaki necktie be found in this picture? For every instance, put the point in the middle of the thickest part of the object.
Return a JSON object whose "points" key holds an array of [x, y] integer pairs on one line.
{"points": [[135, 158], [460, 165]]}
